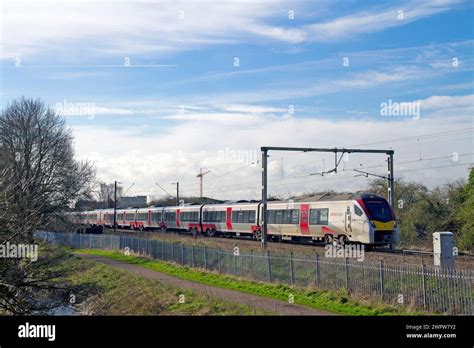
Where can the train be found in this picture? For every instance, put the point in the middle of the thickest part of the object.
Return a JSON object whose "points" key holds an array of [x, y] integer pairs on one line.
{"points": [[363, 218]]}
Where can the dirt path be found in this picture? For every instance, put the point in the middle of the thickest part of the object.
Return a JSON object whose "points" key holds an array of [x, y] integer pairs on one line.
{"points": [[263, 303]]}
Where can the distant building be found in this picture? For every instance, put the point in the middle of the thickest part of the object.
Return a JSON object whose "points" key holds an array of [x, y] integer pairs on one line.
{"points": [[135, 201]]}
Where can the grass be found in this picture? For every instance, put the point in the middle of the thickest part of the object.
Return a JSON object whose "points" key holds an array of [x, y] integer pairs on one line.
{"points": [[109, 291], [332, 301]]}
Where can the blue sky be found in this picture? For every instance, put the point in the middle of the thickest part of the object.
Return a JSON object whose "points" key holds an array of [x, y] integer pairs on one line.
{"points": [[183, 104]]}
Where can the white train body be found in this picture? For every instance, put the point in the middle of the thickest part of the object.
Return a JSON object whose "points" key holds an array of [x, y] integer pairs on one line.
{"points": [[366, 219]]}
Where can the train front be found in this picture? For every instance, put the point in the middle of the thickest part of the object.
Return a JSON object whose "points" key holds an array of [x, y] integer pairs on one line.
{"points": [[380, 227]]}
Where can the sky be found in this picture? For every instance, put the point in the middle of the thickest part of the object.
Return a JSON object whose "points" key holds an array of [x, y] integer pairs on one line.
{"points": [[155, 90]]}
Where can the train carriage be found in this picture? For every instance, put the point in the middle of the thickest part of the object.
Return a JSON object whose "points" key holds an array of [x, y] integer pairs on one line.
{"points": [[171, 218], [241, 219], [190, 218]]}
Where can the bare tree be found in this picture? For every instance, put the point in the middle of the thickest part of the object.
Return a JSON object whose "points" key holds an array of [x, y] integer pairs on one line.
{"points": [[40, 176], [39, 179]]}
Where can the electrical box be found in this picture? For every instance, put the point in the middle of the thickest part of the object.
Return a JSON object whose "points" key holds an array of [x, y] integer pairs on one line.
{"points": [[443, 248]]}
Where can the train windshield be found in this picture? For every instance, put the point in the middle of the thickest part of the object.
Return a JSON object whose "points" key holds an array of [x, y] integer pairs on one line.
{"points": [[379, 209]]}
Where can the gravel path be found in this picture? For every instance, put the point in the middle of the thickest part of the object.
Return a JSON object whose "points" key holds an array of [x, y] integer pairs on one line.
{"points": [[262, 303]]}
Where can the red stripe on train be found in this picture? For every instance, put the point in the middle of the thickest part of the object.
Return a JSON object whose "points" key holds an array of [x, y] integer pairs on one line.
{"points": [[304, 212], [229, 219], [328, 230]]}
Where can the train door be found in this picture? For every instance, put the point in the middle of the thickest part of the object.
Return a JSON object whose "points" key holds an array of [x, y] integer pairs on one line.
{"points": [[348, 219]]}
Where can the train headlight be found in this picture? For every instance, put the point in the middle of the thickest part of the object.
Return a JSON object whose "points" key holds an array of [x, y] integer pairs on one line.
{"points": [[394, 223], [372, 223]]}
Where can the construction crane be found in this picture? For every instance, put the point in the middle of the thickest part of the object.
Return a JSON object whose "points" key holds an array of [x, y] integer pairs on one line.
{"points": [[200, 176]]}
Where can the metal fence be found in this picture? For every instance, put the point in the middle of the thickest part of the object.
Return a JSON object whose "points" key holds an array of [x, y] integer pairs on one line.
{"points": [[420, 287]]}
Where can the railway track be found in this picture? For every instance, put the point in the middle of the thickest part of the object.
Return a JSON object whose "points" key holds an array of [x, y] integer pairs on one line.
{"points": [[299, 248]]}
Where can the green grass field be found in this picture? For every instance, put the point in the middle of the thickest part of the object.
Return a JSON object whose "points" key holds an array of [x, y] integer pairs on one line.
{"points": [[104, 290], [332, 301]]}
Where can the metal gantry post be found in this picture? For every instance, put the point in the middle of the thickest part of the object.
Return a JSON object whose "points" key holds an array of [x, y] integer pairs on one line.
{"points": [[264, 195], [115, 206], [177, 193], [391, 191]]}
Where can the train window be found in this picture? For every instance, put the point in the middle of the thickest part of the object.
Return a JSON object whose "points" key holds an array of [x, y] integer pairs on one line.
{"points": [[271, 216], [130, 216], [318, 216], [278, 216], [189, 216], [357, 210], [156, 216], [170, 216], [252, 216], [241, 217], [323, 216], [142, 216], [295, 216]]}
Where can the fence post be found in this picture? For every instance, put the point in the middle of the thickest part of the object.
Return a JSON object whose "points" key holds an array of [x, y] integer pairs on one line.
{"points": [[182, 254], [90, 241], [381, 271], [163, 250], [318, 270], [219, 259], [424, 284], [81, 241], [192, 256], [292, 271], [172, 251], [269, 267], [251, 263], [205, 257], [346, 267], [235, 264]]}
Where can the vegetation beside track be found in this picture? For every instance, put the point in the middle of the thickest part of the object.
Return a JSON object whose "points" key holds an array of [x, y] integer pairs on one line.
{"points": [[337, 302], [104, 290]]}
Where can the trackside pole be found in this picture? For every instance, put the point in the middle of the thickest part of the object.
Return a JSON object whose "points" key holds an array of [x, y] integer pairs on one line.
{"points": [[264, 196]]}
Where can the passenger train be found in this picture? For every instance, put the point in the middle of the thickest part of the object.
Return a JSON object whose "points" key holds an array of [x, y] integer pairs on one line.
{"points": [[365, 218]]}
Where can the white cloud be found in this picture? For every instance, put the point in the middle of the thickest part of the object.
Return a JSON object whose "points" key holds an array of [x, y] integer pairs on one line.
{"points": [[376, 19], [448, 102], [58, 29], [144, 155]]}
